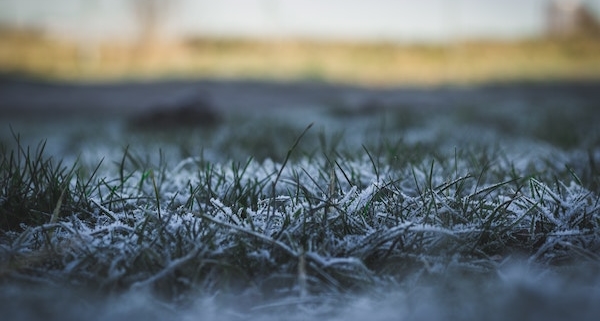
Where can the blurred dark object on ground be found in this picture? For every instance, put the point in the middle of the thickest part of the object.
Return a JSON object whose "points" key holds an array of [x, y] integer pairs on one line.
{"points": [[189, 112]]}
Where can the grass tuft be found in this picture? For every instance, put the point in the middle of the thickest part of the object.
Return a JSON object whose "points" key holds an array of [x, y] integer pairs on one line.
{"points": [[34, 190], [327, 222]]}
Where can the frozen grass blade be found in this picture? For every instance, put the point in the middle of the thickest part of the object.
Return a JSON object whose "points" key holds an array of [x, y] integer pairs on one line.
{"points": [[327, 223], [286, 159]]}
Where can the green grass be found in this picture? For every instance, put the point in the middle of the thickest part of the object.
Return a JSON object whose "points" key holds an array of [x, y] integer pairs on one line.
{"points": [[326, 218]]}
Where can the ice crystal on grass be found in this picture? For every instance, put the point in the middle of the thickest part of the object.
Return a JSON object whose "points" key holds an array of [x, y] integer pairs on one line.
{"points": [[217, 218], [301, 233]]}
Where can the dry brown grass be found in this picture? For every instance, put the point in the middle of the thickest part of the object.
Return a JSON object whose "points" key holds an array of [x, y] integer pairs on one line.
{"points": [[371, 64]]}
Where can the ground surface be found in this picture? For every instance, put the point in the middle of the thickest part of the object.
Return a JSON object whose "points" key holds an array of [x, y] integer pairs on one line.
{"points": [[204, 200]]}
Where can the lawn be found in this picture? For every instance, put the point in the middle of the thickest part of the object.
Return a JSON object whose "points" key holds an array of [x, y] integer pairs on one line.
{"points": [[341, 209]]}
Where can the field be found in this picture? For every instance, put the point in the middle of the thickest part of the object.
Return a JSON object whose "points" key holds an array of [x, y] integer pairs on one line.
{"points": [[374, 64], [244, 200]]}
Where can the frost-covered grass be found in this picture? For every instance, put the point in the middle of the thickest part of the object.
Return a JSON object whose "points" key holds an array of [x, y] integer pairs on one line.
{"points": [[464, 214]]}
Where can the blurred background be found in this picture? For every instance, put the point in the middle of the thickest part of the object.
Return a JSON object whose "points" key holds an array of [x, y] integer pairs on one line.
{"points": [[375, 43]]}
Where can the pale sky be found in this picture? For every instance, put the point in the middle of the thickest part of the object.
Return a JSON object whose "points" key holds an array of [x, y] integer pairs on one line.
{"points": [[388, 20]]}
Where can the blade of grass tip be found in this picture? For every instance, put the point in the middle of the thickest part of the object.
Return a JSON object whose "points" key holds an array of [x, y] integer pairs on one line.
{"points": [[287, 157], [332, 178], [85, 191], [332, 182], [314, 182], [145, 176], [417, 184], [558, 186], [56, 212], [289, 153], [372, 162], [493, 187], [444, 186], [343, 172], [122, 168], [156, 193], [575, 177], [104, 210], [430, 178], [480, 177]]}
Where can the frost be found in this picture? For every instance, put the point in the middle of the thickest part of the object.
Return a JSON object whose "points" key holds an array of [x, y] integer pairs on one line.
{"points": [[221, 238]]}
